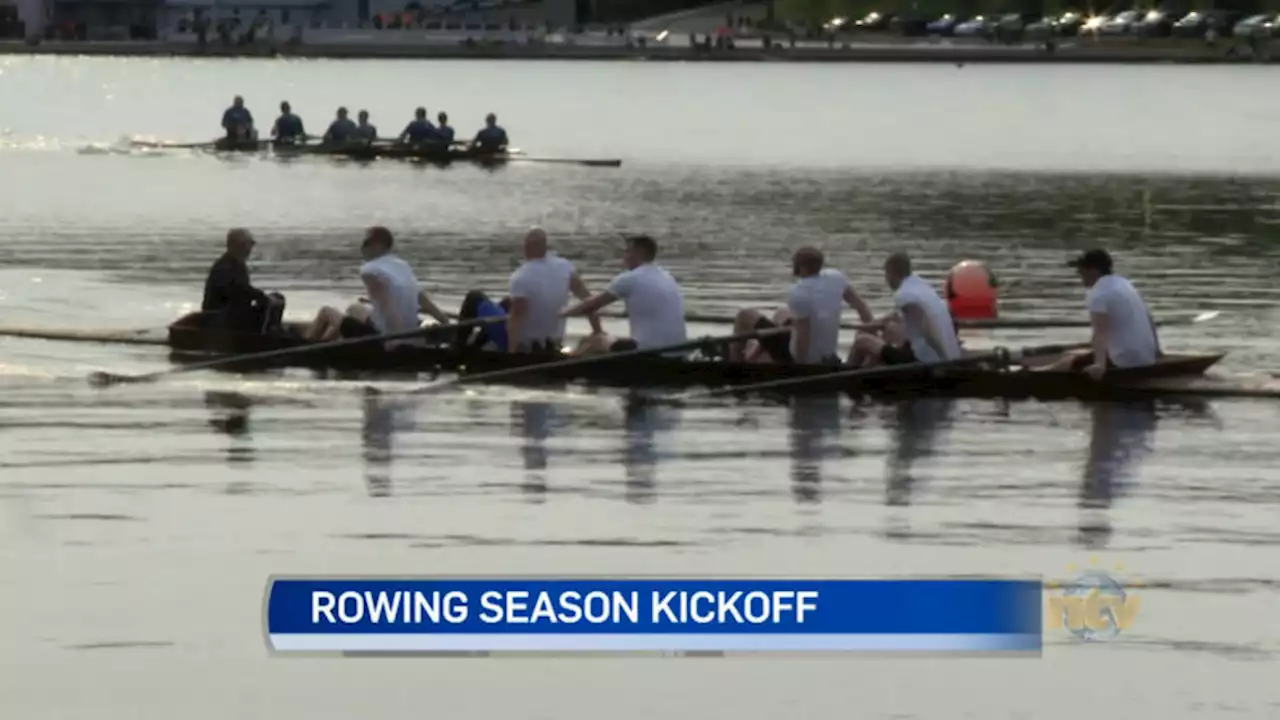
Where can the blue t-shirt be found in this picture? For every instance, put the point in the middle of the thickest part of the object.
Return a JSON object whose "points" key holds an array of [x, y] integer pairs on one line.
{"points": [[495, 332], [491, 137], [289, 127], [445, 133], [420, 131], [341, 131], [236, 116]]}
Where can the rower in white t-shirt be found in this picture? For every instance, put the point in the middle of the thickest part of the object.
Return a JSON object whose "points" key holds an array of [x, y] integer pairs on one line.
{"points": [[394, 298], [1124, 334], [813, 310], [920, 328], [539, 290], [655, 307]]}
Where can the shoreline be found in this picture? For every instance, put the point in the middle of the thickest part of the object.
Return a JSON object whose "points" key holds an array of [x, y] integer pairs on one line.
{"points": [[1082, 52]]}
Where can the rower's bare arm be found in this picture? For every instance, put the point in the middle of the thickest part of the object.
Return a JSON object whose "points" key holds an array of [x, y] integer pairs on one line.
{"points": [[800, 328], [1155, 333], [932, 334], [428, 306], [856, 302], [580, 291], [1101, 324], [515, 322], [590, 306]]}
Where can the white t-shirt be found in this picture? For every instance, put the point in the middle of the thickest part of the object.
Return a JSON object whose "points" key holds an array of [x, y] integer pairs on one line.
{"points": [[544, 284], [914, 291], [655, 308], [1130, 340], [402, 291], [821, 299]]}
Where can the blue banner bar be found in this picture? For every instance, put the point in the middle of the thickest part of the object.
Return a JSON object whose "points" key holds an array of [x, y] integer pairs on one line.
{"points": [[538, 614]]}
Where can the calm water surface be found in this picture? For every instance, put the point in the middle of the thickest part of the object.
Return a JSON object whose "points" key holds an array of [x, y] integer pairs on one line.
{"points": [[125, 512]]}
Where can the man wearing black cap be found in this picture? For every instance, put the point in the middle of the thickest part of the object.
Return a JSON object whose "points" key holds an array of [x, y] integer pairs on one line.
{"points": [[1124, 335]]}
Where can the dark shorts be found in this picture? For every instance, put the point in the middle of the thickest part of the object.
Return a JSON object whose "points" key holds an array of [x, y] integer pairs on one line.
{"points": [[778, 346], [545, 347], [353, 328], [897, 354], [623, 345], [1082, 363]]}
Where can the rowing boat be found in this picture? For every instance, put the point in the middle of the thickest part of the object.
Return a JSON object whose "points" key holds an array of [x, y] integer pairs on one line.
{"points": [[437, 154], [191, 339]]}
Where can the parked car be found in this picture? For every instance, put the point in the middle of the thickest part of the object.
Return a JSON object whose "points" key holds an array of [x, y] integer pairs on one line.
{"points": [[1256, 26], [1156, 23], [1196, 24], [874, 21], [1121, 24], [1093, 24], [979, 26], [1016, 22], [945, 25], [1068, 23]]}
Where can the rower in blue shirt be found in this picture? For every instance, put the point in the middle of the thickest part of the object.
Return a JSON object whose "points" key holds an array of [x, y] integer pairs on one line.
{"points": [[478, 305], [492, 138], [365, 131], [341, 130], [238, 121], [419, 130], [444, 131], [288, 128]]}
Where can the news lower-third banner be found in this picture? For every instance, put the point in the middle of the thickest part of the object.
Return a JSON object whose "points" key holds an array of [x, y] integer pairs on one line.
{"points": [[508, 615]]}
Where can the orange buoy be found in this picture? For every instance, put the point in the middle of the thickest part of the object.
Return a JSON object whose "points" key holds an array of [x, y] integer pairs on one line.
{"points": [[971, 291]]}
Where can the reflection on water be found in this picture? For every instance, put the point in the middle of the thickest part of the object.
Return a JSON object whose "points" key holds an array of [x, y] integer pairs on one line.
{"points": [[1120, 439], [230, 416], [812, 422], [384, 418], [534, 420], [918, 427], [644, 420]]}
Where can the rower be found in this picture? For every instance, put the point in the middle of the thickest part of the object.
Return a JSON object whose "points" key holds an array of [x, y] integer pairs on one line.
{"points": [[341, 130], [813, 311], [288, 127], [920, 328], [490, 336], [444, 131], [419, 130], [1123, 331], [238, 121], [655, 307], [364, 131], [491, 138], [394, 296], [538, 291], [236, 304]]}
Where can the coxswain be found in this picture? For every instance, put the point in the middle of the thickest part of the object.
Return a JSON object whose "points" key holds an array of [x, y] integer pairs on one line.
{"points": [[364, 131], [920, 328], [288, 127], [393, 293], [341, 130], [443, 130], [228, 294], [655, 307], [539, 289], [491, 138], [237, 121], [419, 130], [1123, 331], [813, 310]]}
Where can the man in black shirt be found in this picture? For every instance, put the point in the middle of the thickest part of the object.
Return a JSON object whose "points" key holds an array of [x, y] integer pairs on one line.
{"points": [[239, 306]]}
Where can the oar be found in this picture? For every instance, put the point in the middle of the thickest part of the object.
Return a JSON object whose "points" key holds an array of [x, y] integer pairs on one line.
{"points": [[1001, 355], [567, 161], [602, 358], [171, 146], [1007, 323], [104, 379]]}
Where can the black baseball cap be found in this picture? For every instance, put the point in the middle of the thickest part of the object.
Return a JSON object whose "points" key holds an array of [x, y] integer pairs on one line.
{"points": [[1096, 259]]}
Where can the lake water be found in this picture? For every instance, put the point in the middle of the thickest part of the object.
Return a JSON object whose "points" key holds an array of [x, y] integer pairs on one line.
{"points": [[126, 512]]}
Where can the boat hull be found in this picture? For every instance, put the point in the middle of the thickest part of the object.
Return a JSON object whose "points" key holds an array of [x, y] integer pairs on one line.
{"points": [[436, 154], [191, 341]]}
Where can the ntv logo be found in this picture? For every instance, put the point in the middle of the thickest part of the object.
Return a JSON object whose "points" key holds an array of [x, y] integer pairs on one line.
{"points": [[1092, 606]]}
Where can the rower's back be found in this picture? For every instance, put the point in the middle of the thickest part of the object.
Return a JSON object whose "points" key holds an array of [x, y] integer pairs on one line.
{"points": [[402, 292], [1130, 337], [544, 284], [914, 291], [820, 298], [655, 306]]}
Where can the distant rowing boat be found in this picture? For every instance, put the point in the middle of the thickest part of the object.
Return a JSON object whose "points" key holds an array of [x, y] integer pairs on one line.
{"points": [[373, 151], [191, 341]]}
